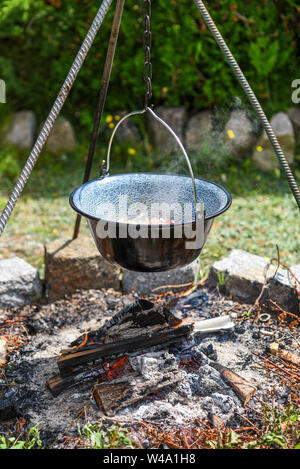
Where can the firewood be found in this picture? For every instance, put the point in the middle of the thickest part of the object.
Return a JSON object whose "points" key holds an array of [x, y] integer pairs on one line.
{"points": [[130, 390], [140, 314], [243, 388], [166, 336], [58, 384]]}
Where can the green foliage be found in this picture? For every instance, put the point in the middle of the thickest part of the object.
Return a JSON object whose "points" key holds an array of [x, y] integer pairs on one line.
{"points": [[96, 436], [39, 39], [9, 164], [282, 430], [222, 279], [231, 441], [32, 441]]}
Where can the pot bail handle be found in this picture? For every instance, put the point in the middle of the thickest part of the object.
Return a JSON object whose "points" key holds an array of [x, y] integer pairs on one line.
{"points": [[161, 121]]}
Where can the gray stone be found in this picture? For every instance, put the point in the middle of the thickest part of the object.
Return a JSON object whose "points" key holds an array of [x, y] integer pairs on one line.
{"points": [[19, 283], [128, 131], [239, 133], [264, 155], [77, 264], [199, 130], [146, 282], [159, 136], [62, 137], [241, 276], [22, 130]]}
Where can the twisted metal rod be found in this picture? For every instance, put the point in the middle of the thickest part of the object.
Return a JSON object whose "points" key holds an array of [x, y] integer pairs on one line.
{"points": [[252, 98], [57, 106]]}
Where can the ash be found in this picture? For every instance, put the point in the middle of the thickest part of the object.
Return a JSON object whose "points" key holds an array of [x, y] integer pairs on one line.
{"points": [[200, 391]]}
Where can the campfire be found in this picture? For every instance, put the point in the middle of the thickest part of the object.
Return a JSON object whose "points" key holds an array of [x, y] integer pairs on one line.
{"points": [[173, 362], [141, 352]]}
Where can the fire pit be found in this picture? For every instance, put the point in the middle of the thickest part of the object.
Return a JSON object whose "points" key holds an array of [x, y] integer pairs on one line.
{"points": [[148, 362]]}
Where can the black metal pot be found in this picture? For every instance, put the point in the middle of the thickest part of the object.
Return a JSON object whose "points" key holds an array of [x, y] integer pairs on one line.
{"points": [[159, 247], [147, 254]]}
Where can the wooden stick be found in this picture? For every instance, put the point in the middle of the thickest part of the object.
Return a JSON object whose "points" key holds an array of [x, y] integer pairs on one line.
{"points": [[127, 392], [285, 312], [293, 375]]}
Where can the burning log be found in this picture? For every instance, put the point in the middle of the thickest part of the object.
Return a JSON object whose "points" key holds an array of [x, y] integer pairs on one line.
{"points": [[243, 388], [140, 314], [117, 395], [145, 379], [166, 337], [58, 384], [139, 326]]}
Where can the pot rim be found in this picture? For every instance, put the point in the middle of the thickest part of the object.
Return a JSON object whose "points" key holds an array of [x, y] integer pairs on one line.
{"points": [[91, 217]]}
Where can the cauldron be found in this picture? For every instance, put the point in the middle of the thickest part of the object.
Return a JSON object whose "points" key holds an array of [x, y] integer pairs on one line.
{"points": [[143, 245], [149, 254]]}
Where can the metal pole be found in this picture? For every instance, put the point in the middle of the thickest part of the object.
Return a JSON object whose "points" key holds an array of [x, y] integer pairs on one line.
{"points": [[102, 97], [57, 106], [251, 96]]}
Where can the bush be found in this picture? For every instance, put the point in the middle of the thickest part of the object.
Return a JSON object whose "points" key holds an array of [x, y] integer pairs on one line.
{"points": [[10, 165], [39, 39]]}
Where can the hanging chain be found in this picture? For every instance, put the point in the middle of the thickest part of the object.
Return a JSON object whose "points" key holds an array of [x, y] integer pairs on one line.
{"points": [[147, 47]]}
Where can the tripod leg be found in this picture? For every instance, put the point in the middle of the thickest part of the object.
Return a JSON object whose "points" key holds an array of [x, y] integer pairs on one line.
{"points": [[102, 97]]}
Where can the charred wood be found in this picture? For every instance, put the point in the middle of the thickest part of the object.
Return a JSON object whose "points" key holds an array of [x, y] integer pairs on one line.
{"points": [[129, 391], [106, 350]]}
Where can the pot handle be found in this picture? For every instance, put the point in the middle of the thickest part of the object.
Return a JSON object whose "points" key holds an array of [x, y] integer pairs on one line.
{"points": [[106, 171]]}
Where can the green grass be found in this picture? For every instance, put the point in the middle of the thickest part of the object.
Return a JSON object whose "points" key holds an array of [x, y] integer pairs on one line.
{"points": [[263, 213], [32, 441], [280, 430], [98, 436]]}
